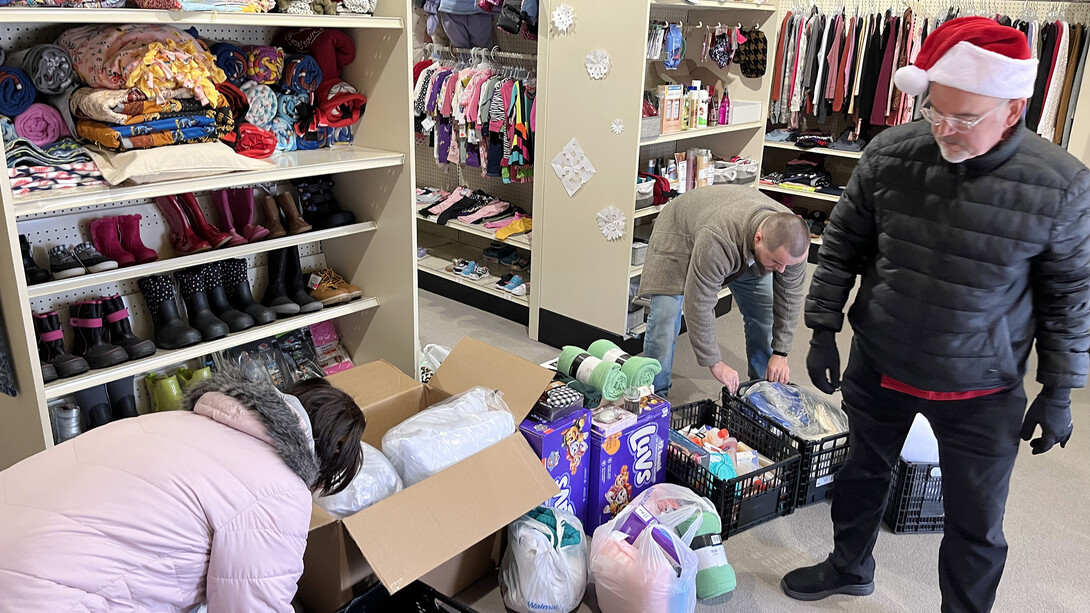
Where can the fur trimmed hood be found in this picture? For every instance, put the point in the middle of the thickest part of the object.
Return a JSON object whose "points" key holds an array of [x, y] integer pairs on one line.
{"points": [[284, 428]]}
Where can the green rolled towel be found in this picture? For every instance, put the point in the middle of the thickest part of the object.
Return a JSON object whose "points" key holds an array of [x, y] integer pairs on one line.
{"points": [[640, 371], [592, 398], [714, 576], [605, 376]]}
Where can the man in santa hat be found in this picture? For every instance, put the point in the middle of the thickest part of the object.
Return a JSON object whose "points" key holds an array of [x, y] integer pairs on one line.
{"points": [[971, 237]]}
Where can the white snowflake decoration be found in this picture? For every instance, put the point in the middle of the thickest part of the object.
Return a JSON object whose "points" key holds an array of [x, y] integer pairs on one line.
{"points": [[617, 126], [563, 17], [597, 64], [611, 223], [572, 167]]}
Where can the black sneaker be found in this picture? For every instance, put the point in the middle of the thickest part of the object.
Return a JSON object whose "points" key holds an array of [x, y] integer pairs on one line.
{"points": [[91, 259], [504, 280], [821, 581], [63, 264]]}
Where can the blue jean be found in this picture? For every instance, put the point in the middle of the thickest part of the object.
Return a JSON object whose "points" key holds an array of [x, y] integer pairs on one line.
{"points": [[751, 293]]}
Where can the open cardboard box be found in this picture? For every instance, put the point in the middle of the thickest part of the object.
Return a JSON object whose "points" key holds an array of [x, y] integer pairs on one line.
{"points": [[452, 516]]}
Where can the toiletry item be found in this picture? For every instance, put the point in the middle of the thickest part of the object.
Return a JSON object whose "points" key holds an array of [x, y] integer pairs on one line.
{"points": [[713, 108], [724, 108], [682, 173], [702, 110]]}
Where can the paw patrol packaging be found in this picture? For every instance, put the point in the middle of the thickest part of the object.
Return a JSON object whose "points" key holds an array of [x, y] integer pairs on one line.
{"points": [[627, 456], [564, 449]]}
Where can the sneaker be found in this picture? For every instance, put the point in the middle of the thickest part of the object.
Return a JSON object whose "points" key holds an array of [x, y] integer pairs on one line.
{"points": [[504, 280], [421, 253], [521, 290], [457, 265], [513, 283], [467, 269], [478, 273], [821, 581], [511, 258], [497, 251], [63, 264], [91, 259], [522, 265]]}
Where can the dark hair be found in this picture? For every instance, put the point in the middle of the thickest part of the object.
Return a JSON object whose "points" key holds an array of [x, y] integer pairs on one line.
{"points": [[338, 427], [786, 230]]}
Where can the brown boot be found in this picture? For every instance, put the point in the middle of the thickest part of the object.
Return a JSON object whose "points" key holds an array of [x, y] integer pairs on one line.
{"points": [[296, 225], [272, 218]]}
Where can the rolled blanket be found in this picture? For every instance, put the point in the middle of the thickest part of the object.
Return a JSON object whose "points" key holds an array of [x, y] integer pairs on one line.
{"points": [[289, 107], [264, 64], [63, 103], [232, 61], [639, 370], [49, 67], [251, 141], [357, 6], [604, 376], [302, 74], [3, 56], [307, 7], [236, 100], [285, 134], [312, 140], [592, 398], [332, 49], [341, 135], [17, 91], [41, 124], [262, 103], [338, 104], [7, 129]]}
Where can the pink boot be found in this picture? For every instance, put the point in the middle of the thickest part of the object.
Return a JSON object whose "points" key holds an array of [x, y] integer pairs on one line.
{"points": [[105, 235], [242, 211], [131, 241], [219, 198]]}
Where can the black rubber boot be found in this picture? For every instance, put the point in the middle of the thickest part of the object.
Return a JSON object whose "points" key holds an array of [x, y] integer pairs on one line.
{"points": [[89, 330], [120, 331], [235, 319], [191, 284], [122, 395], [296, 283], [318, 204], [49, 372], [238, 292], [276, 292], [95, 405], [170, 331], [51, 346], [821, 581], [34, 274]]}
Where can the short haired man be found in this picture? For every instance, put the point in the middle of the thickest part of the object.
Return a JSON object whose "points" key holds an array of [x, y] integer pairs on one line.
{"points": [[970, 234], [733, 235]]}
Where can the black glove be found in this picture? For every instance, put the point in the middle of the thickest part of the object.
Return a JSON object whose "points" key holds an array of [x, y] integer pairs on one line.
{"points": [[1052, 411], [823, 361]]}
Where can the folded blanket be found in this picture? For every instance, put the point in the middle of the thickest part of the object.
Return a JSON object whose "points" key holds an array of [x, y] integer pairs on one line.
{"points": [[159, 133], [7, 129], [302, 74], [152, 58], [264, 64], [603, 376], [338, 104], [17, 91], [41, 124], [307, 7], [27, 179], [21, 152], [639, 370], [222, 6], [357, 6], [285, 134], [232, 61], [592, 398], [291, 106], [312, 140], [262, 101], [332, 49], [49, 67], [251, 141], [118, 107]]}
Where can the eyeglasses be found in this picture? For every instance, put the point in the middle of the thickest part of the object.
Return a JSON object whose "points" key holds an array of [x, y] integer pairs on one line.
{"points": [[962, 126]]}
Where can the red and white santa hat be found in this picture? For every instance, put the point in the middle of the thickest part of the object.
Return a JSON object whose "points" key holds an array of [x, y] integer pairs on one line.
{"points": [[973, 54]]}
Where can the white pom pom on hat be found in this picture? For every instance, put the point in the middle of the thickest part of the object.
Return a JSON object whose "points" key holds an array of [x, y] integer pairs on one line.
{"points": [[973, 54]]}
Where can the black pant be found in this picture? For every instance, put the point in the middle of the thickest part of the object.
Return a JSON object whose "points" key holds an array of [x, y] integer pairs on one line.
{"points": [[978, 441]]}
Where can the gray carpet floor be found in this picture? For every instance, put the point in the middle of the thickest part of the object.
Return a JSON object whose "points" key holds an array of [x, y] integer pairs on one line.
{"points": [[1046, 524]]}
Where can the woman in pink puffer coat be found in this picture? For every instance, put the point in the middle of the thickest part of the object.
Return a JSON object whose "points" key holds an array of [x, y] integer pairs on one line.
{"points": [[166, 511]]}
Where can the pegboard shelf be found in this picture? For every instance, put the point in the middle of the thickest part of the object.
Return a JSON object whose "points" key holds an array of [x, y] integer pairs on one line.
{"points": [[436, 266], [163, 359], [641, 328], [519, 241], [800, 193], [185, 18], [286, 165], [701, 132], [718, 5], [178, 263], [648, 211], [635, 271], [855, 155]]}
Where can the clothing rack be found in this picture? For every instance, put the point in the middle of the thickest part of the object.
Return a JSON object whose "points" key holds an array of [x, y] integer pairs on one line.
{"points": [[493, 54]]}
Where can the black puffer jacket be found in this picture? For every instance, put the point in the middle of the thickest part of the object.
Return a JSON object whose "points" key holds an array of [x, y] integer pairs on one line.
{"points": [[963, 265]]}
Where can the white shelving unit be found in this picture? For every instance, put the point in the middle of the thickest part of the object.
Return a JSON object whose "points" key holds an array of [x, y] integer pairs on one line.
{"points": [[373, 179], [517, 240], [800, 193], [714, 5], [854, 155], [701, 133]]}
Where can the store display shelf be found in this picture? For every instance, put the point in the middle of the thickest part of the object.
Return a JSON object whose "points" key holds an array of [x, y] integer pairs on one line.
{"points": [[186, 18], [519, 241], [815, 241], [800, 193], [669, 138], [641, 328], [720, 5], [178, 263], [648, 211], [635, 271], [286, 165], [855, 155], [437, 266], [163, 359]]}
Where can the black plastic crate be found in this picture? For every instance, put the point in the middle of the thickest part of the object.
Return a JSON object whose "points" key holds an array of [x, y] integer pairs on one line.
{"points": [[915, 498], [748, 500], [820, 458], [417, 597]]}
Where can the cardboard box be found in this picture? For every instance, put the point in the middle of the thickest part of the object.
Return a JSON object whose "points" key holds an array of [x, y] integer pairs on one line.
{"points": [[670, 108], [626, 458], [562, 446], [452, 517]]}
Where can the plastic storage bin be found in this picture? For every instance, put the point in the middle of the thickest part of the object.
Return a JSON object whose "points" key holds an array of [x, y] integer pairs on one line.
{"points": [[820, 459], [639, 252], [747, 500], [915, 498], [649, 127], [417, 597]]}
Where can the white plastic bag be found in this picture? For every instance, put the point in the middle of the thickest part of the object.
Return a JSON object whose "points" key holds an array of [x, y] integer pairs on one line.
{"points": [[375, 481], [539, 571], [447, 433], [643, 577], [921, 444]]}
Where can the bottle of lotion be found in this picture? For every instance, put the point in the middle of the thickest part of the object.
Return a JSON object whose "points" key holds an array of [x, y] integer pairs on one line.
{"points": [[694, 106], [724, 108], [702, 113]]}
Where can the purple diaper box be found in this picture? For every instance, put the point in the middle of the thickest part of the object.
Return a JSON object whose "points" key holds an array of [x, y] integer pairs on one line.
{"points": [[627, 456], [562, 446]]}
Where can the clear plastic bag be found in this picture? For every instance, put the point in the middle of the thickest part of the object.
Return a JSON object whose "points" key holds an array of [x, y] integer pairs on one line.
{"points": [[375, 481], [797, 410], [545, 566], [447, 433]]}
